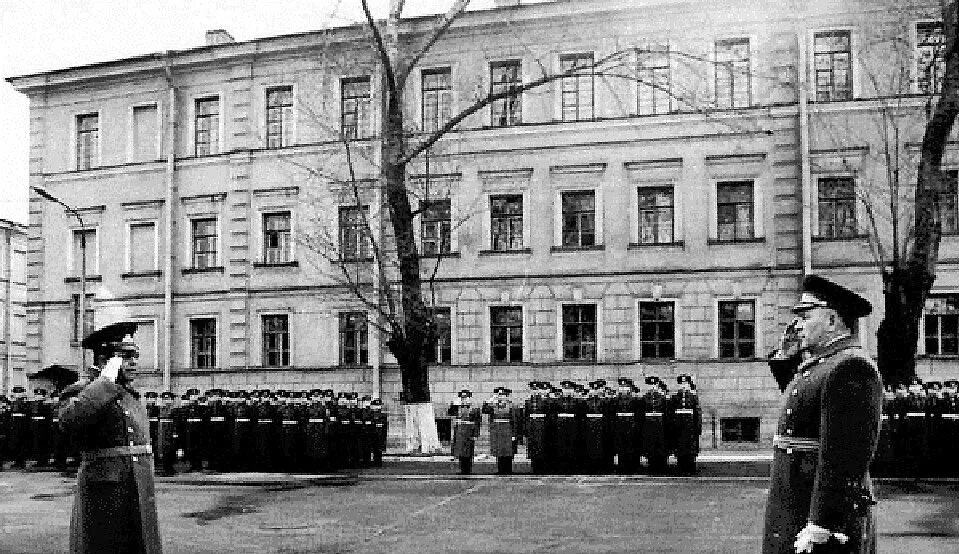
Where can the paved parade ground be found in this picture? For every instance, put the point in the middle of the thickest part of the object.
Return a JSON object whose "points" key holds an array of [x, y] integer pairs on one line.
{"points": [[381, 512]]}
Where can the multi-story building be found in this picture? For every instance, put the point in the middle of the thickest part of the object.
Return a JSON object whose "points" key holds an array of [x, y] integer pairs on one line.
{"points": [[13, 298], [655, 221]]}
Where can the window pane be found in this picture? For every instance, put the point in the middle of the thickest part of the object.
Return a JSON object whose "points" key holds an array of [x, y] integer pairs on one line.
{"points": [[142, 247]]}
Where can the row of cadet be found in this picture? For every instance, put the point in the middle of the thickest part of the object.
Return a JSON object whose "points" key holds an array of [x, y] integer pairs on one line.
{"points": [[919, 433], [574, 429], [263, 430]]}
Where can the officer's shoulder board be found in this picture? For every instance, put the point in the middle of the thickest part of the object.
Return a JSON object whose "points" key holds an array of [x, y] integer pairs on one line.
{"points": [[852, 354]]}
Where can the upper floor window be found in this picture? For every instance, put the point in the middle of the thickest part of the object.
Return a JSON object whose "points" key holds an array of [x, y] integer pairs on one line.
{"points": [[143, 247], [506, 334], [949, 203], [442, 352], [930, 61], [276, 340], [437, 97], [506, 222], [277, 238], [579, 332], [657, 330], [734, 210], [85, 251], [504, 78], [88, 141], [87, 317], [737, 329], [204, 243], [833, 65], [203, 343], [577, 90], [733, 75], [435, 227], [654, 92], [837, 207], [355, 107], [941, 325], [579, 218], [354, 239], [353, 339], [146, 133], [656, 212], [207, 126], [279, 116]]}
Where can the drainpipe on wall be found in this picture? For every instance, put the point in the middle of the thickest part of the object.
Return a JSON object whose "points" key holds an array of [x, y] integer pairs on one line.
{"points": [[170, 147], [805, 174], [7, 313]]}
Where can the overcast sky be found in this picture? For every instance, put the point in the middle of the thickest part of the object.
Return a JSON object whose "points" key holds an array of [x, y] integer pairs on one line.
{"points": [[40, 35]]}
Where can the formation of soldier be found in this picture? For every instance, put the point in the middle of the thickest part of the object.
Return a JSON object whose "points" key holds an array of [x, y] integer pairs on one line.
{"points": [[289, 431], [573, 429], [919, 432]]}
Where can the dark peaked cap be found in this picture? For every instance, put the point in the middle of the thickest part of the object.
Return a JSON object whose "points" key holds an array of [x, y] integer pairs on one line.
{"points": [[109, 337], [836, 296]]}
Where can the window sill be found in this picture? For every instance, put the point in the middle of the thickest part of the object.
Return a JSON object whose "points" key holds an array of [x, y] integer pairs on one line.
{"points": [[96, 278], [840, 239], [443, 255], [135, 274], [505, 252], [355, 260], [718, 242], [193, 270], [260, 265], [353, 366], [560, 249], [649, 245]]}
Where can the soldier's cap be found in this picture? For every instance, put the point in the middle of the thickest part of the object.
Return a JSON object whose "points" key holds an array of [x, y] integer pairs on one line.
{"points": [[112, 338], [316, 392], [39, 392], [533, 385], [635, 389], [366, 398], [354, 395], [201, 399], [54, 394], [684, 378], [818, 292], [625, 382], [376, 402], [507, 391], [167, 394], [150, 394], [193, 392], [951, 383], [933, 385], [600, 383], [652, 380], [915, 380], [567, 384], [19, 390], [185, 398]]}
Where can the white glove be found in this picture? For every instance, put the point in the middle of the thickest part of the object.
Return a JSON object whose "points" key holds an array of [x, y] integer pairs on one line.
{"points": [[112, 368], [812, 534]]}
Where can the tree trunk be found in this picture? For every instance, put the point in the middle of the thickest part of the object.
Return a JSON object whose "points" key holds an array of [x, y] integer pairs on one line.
{"points": [[421, 435], [898, 334]]}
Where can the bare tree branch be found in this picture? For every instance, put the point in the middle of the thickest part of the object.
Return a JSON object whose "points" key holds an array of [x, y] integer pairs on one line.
{"points": [[455, 10]]}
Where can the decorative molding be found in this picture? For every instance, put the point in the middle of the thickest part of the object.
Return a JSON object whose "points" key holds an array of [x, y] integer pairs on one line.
{"points": [[737, 159], [578, 169], [203, 198], [277, 191], [518, 177], [143, 205], [665, 163]]}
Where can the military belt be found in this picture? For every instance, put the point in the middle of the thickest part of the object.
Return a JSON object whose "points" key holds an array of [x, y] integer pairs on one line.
{"points": [[18, 415], [289, 422], [916, 414], [116, 452], [793, 443], [165, 420], [461, 420], [332, 419], [567, 415], [684, 411], [315, 420], [37, 417], [379, 424], [367, 423], [654, 414], [265, 421], [884, 416], [152, 419], [537, 415], [504, 420], [194, 419], [625, 414], [594, 415], [217, 419], [950, 416], [242, 420]]}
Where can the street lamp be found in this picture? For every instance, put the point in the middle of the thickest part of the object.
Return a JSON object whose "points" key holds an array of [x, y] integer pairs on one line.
{"points": [[83, 271]]}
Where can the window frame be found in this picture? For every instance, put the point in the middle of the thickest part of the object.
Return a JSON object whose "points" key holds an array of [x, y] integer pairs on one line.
{"points": [[265, 213], [452, 336], [155, 322], [523, 234], [818, 196], [130, 247], [219, 146], [853, 61], [521, 74], [363, 228], [754, 208], [219, 241], [750, 62], [422, 221], [341, 346], [921, 347], [914, 41], [132, 132], [75, 253], [367, 129], [757, 334], [97, 161], [561, 224], [421, 97], [265, 350], [598, 330], [488, 333], [674, 221], [638, 335], [192, 352], [577, 79], [294, 109]]}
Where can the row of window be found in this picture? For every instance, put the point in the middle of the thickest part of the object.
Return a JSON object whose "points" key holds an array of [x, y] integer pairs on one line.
{"points": [[732, 88]]}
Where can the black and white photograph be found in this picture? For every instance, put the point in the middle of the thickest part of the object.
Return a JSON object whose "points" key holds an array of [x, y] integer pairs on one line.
{"points": [[479, 277]]}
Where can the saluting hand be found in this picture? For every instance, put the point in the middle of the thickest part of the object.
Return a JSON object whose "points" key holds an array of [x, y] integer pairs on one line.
{"points": [[112, 368]]}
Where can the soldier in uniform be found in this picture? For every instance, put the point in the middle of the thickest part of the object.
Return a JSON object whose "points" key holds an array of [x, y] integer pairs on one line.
{"points": [[19, 437], [950, 426], [915, 455], [502, 430], [316, 445], [685, 419], [626, 431], [153, 416], [39, 428], [466, 428], [568, 432], [165, 447], [597, 445], [244, 428], [4, 429], [536, 428], [821, 492], [884, 462], [114, 510], [654, 426], [366, 431], [217, 430], [381, 428], [195, 412]]}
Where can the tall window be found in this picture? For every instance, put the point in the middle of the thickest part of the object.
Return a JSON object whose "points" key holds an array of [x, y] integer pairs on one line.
{"points": [[506, 222], [577, 90], [655, 87], [732, 73], [85, 251], [87, 319], [837, 207], [204, 243], [442, 352], [435, 227], [88, 141], [948, 207], [354, 240], [203, 343], [930, 61], [437, 97], [277, 238], [734, 210], [504, 77], [143, 247], [941, 322], [145, 133], [353, 337], [506, 334], [207, 126], [579, 218], [355, 107], [279, 117], [833, 65], [276, 340], [579, 332], [657, 330], [656, 212], [737, 329]]}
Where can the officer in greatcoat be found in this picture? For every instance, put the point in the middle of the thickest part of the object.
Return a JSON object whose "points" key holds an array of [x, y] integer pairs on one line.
{"points": [[599, 456], [165, 445], [626, 430], [914, 431], [950, 426], [150, 399], [654, 425], [935, 444], [381, 428], [19, 440], [4, 429], [114, 510], [883, 463], [502, 430], [820, 491], [568, 429], [536, 427], [685, 418], [194, 429], [466, 428]]}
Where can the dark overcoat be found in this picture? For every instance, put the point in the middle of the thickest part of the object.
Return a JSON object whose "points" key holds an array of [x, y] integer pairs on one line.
{"points": [[502, 428], [835, 400], [684, 423], [466, 428], [115, 508], [536, 427]]}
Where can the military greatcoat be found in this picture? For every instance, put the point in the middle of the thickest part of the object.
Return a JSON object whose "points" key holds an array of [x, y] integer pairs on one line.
{"points": [[827, 434], [466, 429], [115, 508]]}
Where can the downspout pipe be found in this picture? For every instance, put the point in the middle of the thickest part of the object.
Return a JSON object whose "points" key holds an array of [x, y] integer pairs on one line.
{"points": [[805, 171], [168, 259]]}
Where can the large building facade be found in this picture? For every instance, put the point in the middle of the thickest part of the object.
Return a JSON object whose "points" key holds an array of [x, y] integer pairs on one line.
{"points": [[13, 298], [651, 216]]}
